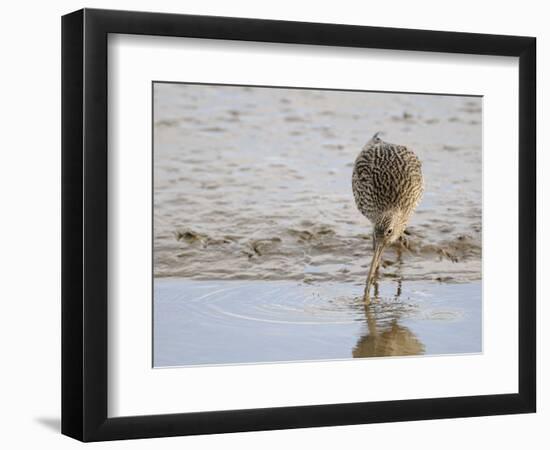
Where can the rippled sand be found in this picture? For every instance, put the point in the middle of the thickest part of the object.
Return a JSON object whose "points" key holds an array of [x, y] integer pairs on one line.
{"points": [[255, 183]]}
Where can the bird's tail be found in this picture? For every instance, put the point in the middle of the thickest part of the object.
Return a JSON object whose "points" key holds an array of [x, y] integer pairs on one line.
{"points": [[375, 139]]}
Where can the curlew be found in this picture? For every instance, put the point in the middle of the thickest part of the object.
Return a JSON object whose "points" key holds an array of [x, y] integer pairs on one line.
{"points": [[387, 185]]}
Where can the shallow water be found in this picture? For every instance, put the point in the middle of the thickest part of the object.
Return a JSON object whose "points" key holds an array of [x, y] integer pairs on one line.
{"points": [[255, 183], [232, 322]]}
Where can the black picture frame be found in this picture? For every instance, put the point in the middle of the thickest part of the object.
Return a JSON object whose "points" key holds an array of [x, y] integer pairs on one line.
{"points": [[84, 224]]}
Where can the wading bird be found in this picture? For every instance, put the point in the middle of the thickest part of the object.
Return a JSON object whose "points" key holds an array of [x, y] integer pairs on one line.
{"points": [[387, 185]]}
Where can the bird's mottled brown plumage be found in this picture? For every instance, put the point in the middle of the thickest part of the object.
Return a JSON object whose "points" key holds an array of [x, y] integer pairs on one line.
{"points": [[387, 185]]}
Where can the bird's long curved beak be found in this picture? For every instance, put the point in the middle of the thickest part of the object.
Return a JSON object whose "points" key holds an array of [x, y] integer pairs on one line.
{"points": [[378, 249]]}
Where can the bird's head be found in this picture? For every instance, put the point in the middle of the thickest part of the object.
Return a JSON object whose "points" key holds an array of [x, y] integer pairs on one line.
{"points": [[389, 226]]}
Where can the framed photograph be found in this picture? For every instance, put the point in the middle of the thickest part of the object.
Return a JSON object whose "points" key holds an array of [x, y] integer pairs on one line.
{"points": [[273, 224]]}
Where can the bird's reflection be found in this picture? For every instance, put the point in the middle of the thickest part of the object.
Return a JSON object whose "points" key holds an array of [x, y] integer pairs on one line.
{"points": [[385, 336]]}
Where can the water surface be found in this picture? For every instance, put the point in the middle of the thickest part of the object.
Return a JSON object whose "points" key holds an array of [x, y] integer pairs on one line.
{"points": [[233, 322]]}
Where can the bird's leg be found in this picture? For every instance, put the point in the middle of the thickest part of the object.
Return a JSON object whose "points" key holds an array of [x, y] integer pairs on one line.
{"points": [[404, 239], [398, 267], [376, 289], [399, 252], [398, 293]]}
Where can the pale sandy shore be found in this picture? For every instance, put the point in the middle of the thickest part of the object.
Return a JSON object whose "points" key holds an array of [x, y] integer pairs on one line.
{"points": [[253, 183]]}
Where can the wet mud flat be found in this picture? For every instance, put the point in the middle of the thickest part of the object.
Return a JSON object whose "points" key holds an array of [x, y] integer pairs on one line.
{"points": [[238, 322], [255, 183]]}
